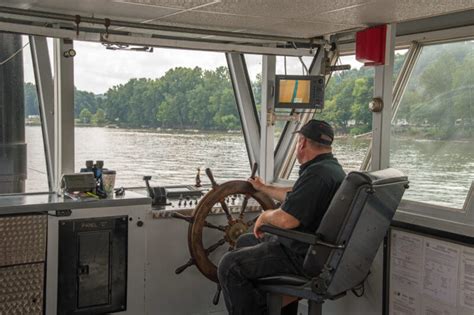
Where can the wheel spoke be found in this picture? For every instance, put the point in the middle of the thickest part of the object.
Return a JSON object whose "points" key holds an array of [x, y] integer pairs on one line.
{"points": [[226, 211], [215, 300], [246, 198], [252, 222], [213, 247], [243, 207], [186, 218], [190, 262], [211, 177], [254, 170], [213, 226]]}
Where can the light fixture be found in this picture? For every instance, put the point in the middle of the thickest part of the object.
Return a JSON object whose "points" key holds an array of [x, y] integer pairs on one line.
{"points": [[69, 53], [114, 46]]}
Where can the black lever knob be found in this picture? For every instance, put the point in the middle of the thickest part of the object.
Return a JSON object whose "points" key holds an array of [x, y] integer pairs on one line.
{"points": [[150, 191]]}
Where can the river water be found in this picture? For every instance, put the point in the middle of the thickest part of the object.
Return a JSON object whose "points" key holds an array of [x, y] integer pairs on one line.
{"points": [[439, 172]]}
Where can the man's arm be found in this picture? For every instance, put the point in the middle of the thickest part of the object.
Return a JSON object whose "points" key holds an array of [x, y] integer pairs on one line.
{"points": [[275, 192], [278, 218]]}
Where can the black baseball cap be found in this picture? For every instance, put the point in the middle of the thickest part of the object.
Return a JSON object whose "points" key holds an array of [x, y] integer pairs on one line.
{"points": [[318, 131]]}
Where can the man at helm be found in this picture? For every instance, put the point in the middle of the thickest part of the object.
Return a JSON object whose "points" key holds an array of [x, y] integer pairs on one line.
{"points": [[303, 206]]}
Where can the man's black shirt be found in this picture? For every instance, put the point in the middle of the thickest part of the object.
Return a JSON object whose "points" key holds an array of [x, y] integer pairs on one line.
{"points": [[311, 195]]}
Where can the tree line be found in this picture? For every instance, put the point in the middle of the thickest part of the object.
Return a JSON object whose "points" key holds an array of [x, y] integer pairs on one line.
{"points": [[438, 95]]}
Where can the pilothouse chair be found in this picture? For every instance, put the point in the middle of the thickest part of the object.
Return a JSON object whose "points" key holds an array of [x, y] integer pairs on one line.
{"points": [[345, 244]]}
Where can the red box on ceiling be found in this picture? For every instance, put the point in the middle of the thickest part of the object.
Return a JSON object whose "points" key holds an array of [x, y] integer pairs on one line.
{"points": [[370, 45]]}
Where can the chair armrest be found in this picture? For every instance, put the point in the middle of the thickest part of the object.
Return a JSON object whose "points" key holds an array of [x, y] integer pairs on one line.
{"points": [[310, 239], [292, 235]]}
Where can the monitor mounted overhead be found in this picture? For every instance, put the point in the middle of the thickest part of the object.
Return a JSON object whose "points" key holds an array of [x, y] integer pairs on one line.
{"points": [[298, 91]]}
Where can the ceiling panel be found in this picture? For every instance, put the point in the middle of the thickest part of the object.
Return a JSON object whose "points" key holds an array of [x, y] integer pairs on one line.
{"points": [[409, 10], [216, 21], [99, 8], [388, 11], [277, 9], [178, 5], [301, 29], [298, 18]]}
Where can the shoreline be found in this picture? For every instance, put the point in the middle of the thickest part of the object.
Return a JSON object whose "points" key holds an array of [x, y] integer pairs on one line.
{"points": [[364, 136]]}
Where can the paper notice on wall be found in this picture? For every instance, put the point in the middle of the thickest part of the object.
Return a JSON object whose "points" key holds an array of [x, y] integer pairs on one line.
{"points": [[407, 260], [406, 273], [433, 308], [404, 302], [441, 271], [467, 277]]}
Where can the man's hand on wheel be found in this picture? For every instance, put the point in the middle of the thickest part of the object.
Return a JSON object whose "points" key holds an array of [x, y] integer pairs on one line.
{"points": [[257, 183]]}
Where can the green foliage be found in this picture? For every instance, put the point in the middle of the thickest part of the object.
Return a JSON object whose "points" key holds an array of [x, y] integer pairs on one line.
{"points": [[31, 100], [133, 104], [84, 100], [437, 102], [85, 116], [99, 118]]}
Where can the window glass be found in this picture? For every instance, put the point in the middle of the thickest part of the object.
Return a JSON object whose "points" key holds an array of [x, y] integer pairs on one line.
{"points": [[347, 96], [163, 114], [22, 158], [433, 130]]}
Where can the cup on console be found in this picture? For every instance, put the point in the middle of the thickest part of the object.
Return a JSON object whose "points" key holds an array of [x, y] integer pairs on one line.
{"points": [[108, 180]]}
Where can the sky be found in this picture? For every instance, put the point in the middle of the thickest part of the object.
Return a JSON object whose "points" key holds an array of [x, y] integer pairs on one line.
{"points": [[97, 69]]}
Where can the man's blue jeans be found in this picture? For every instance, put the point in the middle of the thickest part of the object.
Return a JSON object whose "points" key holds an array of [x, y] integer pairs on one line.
{"points": [[253, 259]]}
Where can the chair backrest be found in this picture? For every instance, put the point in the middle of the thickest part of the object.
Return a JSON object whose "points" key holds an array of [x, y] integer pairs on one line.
{"points": [[358, 217]]}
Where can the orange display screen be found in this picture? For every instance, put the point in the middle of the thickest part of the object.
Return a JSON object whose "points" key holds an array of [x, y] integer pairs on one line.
{"points": [[294, 91]]}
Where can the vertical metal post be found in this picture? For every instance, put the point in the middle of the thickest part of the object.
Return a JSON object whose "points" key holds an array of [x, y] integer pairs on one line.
{"points": [[383, 88], [245, 104], [267, 129], [63, 109], [318, 66], [45, 90], [13, 156], [398, 90], [401, 82], [286, 143]]}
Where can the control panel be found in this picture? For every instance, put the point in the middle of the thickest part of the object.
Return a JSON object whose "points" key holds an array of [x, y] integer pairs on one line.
{"points": [[188, 202]]}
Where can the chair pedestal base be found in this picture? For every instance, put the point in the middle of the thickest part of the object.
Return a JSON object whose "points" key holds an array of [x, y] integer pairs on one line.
{"points": [[275, 303], [315, 308]]}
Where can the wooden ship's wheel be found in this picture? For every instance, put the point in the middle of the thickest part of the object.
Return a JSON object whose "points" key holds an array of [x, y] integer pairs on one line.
{"points": [[235, 226]]}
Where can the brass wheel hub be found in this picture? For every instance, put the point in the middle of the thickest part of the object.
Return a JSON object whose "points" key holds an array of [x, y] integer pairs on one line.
{"points": [[234, 230]]}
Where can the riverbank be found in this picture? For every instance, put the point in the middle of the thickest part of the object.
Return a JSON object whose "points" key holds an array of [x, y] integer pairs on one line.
{"points": [[419, 135]]}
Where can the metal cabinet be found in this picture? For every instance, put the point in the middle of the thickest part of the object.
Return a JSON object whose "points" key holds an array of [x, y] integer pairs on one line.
{"points": [[92, 265]]}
